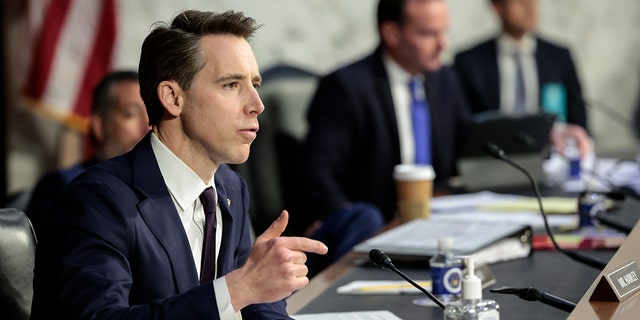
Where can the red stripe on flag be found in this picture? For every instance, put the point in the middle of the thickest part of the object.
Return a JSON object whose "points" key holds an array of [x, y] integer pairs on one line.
{"points": [[99, 60], [44, 48]]}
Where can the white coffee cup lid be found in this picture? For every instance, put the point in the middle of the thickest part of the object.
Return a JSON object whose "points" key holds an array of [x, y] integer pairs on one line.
{"points": [[411, 172]]}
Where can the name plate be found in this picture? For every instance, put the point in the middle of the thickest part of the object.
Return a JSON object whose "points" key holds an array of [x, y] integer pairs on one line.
{"points": [[618, 285]]}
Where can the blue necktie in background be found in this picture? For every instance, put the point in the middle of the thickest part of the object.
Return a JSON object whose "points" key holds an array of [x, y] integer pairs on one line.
{"points": [[421, 119], [520, 105]]}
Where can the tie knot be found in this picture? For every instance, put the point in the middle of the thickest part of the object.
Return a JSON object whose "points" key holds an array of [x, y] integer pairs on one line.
{"points": [[208, 199], [517, 54], [414, 84], [416, 89]]}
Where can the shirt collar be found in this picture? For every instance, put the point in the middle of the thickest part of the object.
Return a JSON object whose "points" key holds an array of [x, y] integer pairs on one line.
{"points": [[526, 46], [394, 71], [183, 183]]}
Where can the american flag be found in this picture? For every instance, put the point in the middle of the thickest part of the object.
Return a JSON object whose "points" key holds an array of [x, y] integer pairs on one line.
{"points": [[73, 44]]}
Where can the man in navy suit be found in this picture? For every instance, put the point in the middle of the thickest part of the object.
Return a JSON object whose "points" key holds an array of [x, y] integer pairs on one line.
{"points": [[126, 239], [117, 122], [518, 72], [360, 127]]}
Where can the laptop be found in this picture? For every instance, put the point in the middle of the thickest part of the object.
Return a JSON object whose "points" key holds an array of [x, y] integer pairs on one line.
{"points": [[523, 138]]}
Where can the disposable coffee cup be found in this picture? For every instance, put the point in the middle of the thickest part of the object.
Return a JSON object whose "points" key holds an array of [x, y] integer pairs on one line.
{"points": [[414, 186]]}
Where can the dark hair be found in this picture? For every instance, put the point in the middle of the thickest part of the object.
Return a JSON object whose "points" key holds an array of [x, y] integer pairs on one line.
{"points": [[102, 99], [391, 10], [174, 52]]}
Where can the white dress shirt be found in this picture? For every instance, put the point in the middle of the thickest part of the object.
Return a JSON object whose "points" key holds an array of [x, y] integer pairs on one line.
{"points": [[185, 187], [506, 48]]}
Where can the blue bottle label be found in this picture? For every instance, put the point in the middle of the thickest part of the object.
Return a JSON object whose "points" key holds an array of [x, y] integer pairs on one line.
{"points": [[446, 280], [574, 169]]}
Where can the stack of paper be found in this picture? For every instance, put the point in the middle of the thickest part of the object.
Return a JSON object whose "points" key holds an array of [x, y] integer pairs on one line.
{"points": [[491, 207], [488, 242]]}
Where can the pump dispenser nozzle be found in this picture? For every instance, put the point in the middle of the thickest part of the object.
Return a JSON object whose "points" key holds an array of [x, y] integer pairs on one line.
{"points": [[471, 283], [472, 306]]}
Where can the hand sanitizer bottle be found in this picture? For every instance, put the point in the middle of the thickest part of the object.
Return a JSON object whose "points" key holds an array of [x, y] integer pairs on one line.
{"points": [[472, 306]]}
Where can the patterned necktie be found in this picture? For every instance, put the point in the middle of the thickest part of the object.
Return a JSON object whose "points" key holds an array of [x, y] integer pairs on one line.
{"points": [[520, 105], [421, 119], [208, 269]]}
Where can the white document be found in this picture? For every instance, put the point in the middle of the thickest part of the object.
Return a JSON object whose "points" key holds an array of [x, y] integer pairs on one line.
{"points": [[491, 207], [419, 238], [469, 201], [377, 287], [357, 315], [534, 219]]}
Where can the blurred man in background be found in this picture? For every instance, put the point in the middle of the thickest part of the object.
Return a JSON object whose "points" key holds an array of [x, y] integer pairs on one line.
{"points": [[396, 105], [118, 121], [518, 72]]}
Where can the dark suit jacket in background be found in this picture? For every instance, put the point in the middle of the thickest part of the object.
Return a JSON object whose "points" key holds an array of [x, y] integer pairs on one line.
{"points": [[353, 143], [49, 188], [478, 72], [114, 247]]}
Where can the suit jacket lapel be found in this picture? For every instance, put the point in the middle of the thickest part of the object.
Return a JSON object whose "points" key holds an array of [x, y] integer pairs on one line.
{"points": [[225, 256], [493, 77], [432, 89], [158, 211], [541, 55], [383, 90]]}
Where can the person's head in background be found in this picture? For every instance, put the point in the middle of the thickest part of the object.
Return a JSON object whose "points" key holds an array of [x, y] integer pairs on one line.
{"points": [[413, 32], [518, 17], [118, 117]]}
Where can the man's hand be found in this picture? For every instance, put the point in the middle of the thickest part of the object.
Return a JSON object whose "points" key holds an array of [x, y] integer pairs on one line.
{"points": [[275, 267], [561, 132]]}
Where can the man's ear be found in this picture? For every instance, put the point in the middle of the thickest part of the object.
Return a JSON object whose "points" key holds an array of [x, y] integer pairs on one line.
{"points": [[96, 128], [498, 9], [171, 96], [390, 33]]}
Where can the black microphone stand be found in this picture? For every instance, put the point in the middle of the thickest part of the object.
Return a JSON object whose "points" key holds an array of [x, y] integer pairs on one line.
{"points": [[383, 261], [496, 152]]}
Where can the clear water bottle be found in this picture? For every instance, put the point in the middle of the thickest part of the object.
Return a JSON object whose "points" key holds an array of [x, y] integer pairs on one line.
{"points": [[572, 153], [590, 204], [446, 272]]}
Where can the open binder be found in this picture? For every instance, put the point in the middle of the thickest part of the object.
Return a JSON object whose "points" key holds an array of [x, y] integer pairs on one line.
{"points": [[418, 240]]}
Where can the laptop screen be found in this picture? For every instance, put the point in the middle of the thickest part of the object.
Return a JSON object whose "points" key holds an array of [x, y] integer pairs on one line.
{"points": [[479, 171], [508, 132]]}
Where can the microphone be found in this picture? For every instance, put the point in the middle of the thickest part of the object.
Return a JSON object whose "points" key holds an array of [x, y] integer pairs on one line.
{"points": [[497, 152], [533, 294], [493, 150], [544, 148], [527, 140], [383, 261]]}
